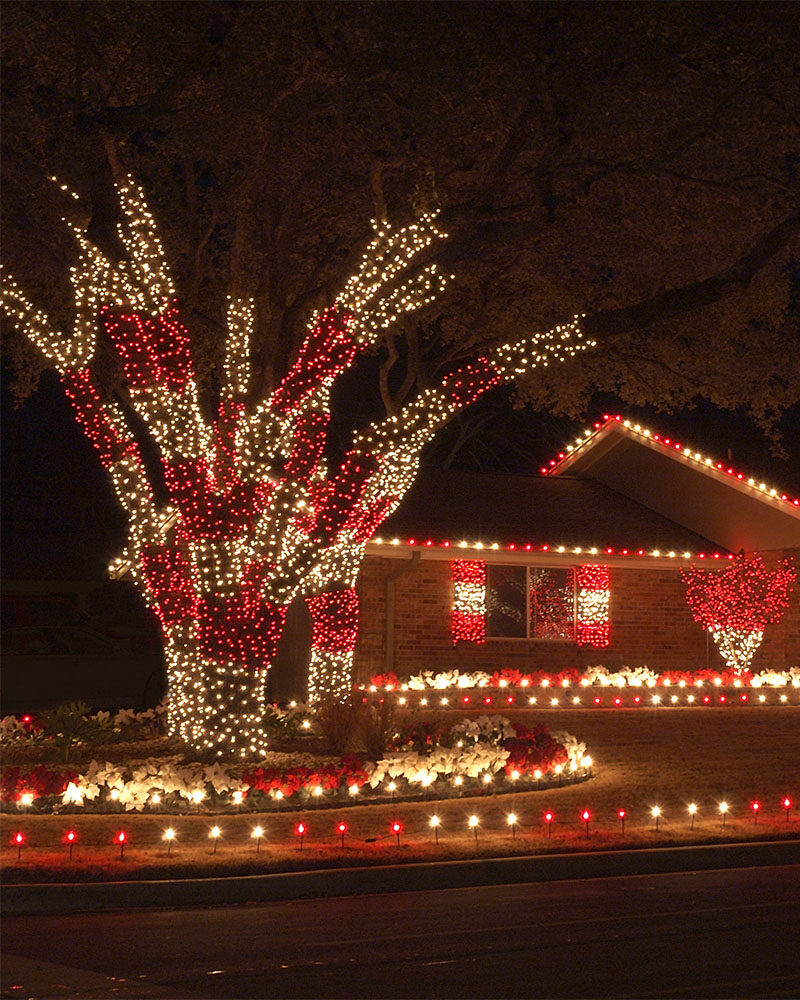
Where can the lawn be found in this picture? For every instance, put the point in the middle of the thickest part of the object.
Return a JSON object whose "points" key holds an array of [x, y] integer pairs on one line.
{"points": [[642, 757]]}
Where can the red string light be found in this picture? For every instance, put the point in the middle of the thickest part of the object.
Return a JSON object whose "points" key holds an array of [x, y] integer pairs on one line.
{"points": [[592, 619], [469, 600], [737, 603]]}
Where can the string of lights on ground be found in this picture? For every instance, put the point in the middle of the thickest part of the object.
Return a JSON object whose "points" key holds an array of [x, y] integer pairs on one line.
{"points": [[547, 823], [665, 697]]}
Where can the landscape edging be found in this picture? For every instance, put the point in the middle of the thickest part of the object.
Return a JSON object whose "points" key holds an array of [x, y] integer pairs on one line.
{"points": [[20, 899]]}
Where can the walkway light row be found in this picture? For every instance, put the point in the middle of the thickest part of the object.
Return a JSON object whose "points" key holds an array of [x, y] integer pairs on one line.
{"points": [[435, 823], [569, 701]]}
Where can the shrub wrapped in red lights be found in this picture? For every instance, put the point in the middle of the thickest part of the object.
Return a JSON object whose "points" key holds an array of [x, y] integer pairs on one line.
{"points": [[469, 600], [737, 603]]}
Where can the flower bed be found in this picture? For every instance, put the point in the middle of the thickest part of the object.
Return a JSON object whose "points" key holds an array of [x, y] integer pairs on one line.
{"points": [[597, 676], [473, 756]]}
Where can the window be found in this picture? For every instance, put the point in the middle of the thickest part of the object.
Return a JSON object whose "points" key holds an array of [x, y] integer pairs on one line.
{"points": [[530, 602]]}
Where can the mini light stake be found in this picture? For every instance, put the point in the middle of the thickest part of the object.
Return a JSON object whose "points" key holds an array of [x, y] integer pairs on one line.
{"points": [[19, 840], [342, 830], [548, 818], [473, 825], [692, 813], [121, 839], [257, 833], [787, 805], [169, 836], [723, 808], [756, 807], [511, 819], [434, 823], [655, 812], [71, 835], [396, 830], [214, 833], [621, 814], [300, 830], [586, 817]]}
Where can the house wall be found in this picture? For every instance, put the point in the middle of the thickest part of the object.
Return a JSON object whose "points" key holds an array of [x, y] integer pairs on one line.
{"points": [[650, 625]]}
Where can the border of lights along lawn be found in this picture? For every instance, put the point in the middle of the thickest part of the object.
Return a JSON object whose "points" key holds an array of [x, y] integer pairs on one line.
{"points": [[723, 764]]}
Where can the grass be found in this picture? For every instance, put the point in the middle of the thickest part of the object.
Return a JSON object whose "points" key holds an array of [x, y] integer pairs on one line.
{"points": [[643, 757]]}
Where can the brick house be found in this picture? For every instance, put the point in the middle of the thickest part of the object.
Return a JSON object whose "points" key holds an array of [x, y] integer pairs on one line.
{"points": [[575, 567]]}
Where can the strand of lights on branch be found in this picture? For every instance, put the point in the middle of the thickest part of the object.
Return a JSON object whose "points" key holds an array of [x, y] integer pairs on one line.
{"points": [[246, 529]]}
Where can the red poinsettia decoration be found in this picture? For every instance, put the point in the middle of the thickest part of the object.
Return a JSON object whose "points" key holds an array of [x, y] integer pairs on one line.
{"points": [[737, 603]]}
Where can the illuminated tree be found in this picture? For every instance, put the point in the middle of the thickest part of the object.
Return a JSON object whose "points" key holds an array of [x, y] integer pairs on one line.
{"points": [[737, 603], [252, 516]]}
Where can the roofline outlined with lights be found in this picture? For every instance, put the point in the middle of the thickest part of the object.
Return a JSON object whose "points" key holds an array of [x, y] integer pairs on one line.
{"points": [[688, 456]]}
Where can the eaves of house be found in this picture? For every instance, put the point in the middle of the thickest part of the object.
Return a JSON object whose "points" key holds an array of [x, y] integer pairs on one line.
{"points": [[620, 494]]}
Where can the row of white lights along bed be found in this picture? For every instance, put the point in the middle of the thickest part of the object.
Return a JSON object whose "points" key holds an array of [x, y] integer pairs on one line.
{"points": [[592, 700], [472, 825]]}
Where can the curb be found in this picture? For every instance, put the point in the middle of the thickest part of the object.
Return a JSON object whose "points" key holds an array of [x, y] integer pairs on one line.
{"points": [[19, 899]]}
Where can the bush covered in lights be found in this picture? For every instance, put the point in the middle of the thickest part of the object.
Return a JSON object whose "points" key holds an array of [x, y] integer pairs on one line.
{"points": [[253, 516]]}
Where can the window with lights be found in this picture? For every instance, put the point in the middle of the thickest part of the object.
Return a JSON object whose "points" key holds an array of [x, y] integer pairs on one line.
{"points": [[497, 601], [530, 602]]}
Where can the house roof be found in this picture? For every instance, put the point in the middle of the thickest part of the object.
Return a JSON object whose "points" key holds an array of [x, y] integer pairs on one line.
{"points": [[620, 490], [708, 497], [544, 512]]}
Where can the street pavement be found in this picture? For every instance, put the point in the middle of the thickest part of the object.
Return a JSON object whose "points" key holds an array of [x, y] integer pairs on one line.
{"points": [[724, 933]]}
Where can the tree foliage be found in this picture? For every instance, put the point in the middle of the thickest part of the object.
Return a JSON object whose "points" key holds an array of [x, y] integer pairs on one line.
{"points": [[587, 158]]}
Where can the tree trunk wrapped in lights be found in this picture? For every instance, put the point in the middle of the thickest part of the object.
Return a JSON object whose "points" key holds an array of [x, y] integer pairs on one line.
{"points": [[737, 603], [252, 517]]}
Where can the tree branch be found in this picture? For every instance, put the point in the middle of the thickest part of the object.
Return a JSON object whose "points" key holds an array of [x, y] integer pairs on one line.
{"points": [[688, 298]]}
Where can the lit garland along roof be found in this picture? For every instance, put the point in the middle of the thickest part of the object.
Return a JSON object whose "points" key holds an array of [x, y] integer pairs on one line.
{"points": [[687, 454], [587, 554], [434, 541]]}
